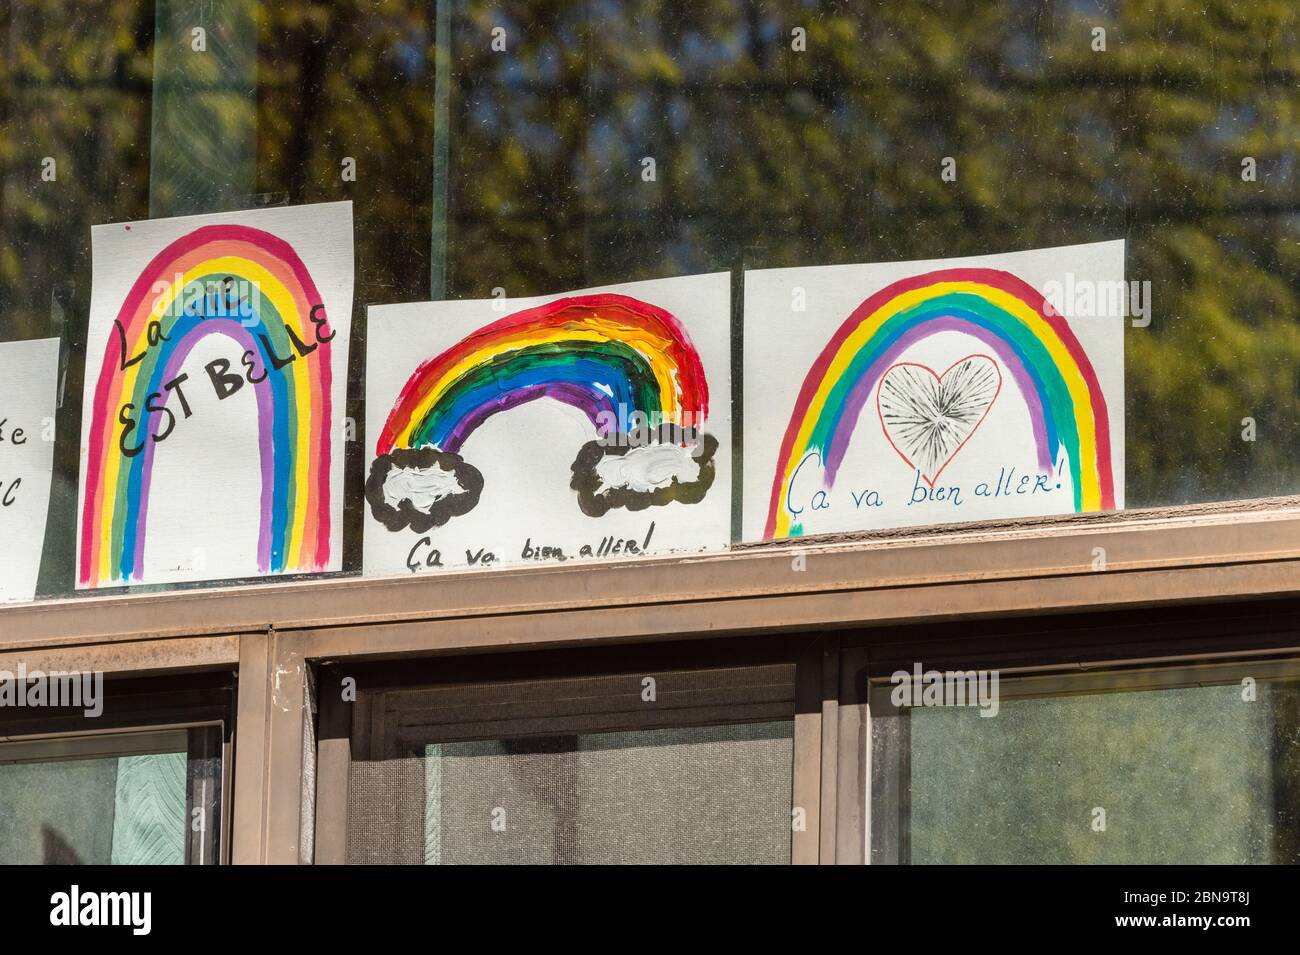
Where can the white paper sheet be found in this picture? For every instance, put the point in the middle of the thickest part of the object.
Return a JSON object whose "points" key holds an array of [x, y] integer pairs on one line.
{"points": [[28, 379], [467, 470], [236, 470], [982, 406]]}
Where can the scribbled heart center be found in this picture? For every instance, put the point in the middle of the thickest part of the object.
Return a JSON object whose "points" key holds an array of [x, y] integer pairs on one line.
{"points": [[928, 417]]}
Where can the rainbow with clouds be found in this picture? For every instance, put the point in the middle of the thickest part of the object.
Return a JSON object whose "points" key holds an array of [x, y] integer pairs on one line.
{"points": [[597, 353], [295, 420], [627, 365], [1036, 345]]}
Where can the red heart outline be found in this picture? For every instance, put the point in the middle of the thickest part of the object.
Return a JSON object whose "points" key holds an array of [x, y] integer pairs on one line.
{"points": [[939, 378]]}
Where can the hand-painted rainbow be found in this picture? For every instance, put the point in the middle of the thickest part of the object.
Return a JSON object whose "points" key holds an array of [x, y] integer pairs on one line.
{"points": [[294, 413], [599, 353], [1048, 364]]}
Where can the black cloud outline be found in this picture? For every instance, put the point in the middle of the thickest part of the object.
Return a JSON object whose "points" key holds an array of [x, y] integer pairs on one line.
{"points": [[587, 483], [406, 514]]}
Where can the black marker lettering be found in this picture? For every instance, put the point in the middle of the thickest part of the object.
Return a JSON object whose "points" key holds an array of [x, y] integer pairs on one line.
{"points": [[152, 408], [276, 361], [123, 415], [123, 364], [298, 345], [223, 383], [247, 362], [321, 323], [175, 385]]}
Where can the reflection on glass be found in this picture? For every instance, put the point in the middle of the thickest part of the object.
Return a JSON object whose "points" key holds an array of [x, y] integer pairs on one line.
{"points": [[782, 133]]}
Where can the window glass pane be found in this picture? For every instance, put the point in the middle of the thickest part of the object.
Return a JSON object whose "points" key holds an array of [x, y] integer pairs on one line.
{"points": [[118, 810], [709, 794], [518, 165], [1206, 772], [766, 157]]}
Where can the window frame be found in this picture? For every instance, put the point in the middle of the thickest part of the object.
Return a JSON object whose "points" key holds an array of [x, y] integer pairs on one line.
{"points": [[136, 712], [1130, 649], [765, 679], [988, 576]]}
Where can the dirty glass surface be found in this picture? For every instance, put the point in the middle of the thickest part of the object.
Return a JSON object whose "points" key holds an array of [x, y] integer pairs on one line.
{"points": [[118, 810], [1207, 772]]}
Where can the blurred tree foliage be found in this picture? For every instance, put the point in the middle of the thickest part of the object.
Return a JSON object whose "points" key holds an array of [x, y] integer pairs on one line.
{"points": [[765, 156], [74, 90], [769, 157]]}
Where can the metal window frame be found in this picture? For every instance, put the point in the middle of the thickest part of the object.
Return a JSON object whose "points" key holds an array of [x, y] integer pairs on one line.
{"points": [[276, 633], [94, 745], [192, 712], [882, 845], [1122, 650], [747, 667]]}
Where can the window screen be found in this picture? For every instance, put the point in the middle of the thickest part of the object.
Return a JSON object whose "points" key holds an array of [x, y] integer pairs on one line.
{"points": [[692, 767]]}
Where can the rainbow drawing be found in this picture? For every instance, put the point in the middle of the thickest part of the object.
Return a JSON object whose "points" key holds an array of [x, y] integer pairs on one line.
{"points": [[1050, 367], [603, 354], [295, 418]]}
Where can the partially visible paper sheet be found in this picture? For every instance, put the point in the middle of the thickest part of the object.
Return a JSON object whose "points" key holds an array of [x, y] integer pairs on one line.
{"points": [[28, 379]]}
